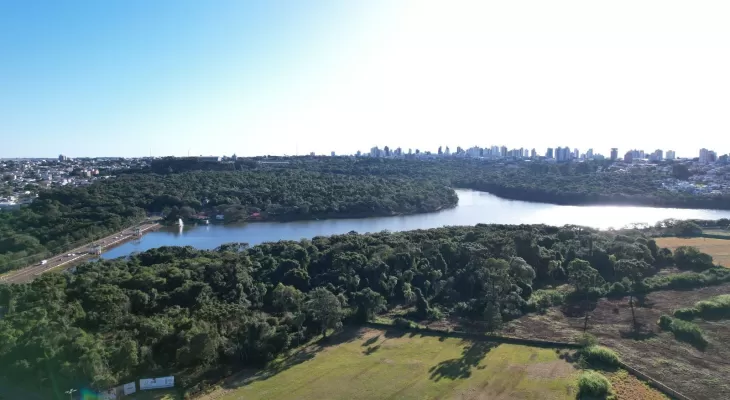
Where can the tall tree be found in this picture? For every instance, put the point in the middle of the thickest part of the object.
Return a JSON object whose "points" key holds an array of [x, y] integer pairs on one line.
{"points": [[633, 270], [368, 302], [325, 308], [584, 278]]}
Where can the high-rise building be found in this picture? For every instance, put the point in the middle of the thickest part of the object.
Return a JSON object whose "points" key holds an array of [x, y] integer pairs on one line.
{"points": [[671, 155], [589, 153], [332, 154], [614, 154], [503, 151], [629, 156], [704, 156], [563, 154], [358, 154], [62, 158], [707, 156], [658, 155], [448, 151], [549, 153], [576, 153], [440, 152], [386, 150], [533, 153], [375, 152]]}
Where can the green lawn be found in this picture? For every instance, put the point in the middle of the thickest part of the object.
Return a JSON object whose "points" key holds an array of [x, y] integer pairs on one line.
{"points": [[376, 365]]}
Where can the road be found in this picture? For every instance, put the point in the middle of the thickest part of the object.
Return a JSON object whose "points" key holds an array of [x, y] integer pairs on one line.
{"points": [[79, 254]]}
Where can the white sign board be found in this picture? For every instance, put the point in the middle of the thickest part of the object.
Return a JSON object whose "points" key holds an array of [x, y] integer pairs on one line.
{"points": [[157, 383], [129, 388]]}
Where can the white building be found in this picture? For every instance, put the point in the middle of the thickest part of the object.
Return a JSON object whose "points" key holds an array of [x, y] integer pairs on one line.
{"points": [[705, 156], [671, 155]]}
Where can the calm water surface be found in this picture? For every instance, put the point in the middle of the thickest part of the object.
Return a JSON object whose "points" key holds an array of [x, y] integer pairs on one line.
{"points": [[474, 207]]}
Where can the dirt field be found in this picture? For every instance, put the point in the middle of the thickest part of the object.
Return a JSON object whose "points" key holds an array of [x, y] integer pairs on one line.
{"points": [[698, 374], [719, 249]]}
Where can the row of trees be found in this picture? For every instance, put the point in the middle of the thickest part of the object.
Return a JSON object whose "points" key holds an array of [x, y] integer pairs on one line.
{"points": [[188, 312]]}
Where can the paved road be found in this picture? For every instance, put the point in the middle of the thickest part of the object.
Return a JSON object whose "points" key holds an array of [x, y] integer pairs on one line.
{"points": [[66, 260]]}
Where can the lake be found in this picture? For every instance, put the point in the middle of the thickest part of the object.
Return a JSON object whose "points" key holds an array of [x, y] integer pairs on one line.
{"points": [[474, 208]]}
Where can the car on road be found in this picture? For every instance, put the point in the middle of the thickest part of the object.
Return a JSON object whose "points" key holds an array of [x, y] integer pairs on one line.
{"points": [[44, 262]]}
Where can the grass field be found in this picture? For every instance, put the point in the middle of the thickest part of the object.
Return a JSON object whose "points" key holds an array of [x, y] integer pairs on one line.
{"points": [[383, 365], [719, 249], [716, 231]]}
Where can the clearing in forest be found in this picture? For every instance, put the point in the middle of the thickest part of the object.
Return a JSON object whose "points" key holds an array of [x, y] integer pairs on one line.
{"points": [[719, 249], [374, 364]]}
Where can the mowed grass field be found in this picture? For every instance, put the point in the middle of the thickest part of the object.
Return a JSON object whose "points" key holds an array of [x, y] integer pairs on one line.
{"points": [[374, 364], [719, 249]]}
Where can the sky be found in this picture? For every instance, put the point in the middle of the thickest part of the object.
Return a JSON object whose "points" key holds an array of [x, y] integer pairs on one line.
{"points": [[252, 77]]}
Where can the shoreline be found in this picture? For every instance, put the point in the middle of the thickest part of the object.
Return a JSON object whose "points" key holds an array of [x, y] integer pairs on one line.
{"points": [[59, 262], [613, 202]]}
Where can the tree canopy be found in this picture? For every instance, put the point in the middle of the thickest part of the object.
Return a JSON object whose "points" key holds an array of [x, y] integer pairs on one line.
{"points": [[187, 312]]}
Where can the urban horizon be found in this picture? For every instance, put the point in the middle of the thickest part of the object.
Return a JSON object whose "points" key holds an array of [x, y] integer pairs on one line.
{"points": [[504, 151]]}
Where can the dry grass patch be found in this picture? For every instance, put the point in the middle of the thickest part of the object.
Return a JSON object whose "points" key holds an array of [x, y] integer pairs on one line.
{"points": [[628, 387], [719, 249]]}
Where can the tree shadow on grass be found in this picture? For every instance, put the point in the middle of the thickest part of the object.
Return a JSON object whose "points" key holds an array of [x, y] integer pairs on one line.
{"points": [[299, 356], [395, 333], [370, 350], [370, 341], [460, 368], [247, 377]]}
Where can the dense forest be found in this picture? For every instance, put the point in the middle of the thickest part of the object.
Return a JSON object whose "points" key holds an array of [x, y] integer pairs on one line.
{"points": [[200, 313], [583, 183], [62, 218], [309, 188]]}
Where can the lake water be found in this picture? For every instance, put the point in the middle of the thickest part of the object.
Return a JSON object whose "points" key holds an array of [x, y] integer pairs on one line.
{"points": [[474, 207]]}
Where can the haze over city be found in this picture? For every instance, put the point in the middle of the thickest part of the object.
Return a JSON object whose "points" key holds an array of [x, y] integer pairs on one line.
{"points": [[131, 78]]}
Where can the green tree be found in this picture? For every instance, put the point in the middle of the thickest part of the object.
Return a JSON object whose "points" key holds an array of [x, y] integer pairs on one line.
{"points": [[325, 308], [287, 298], [680, 171], [368, 302], [688, 257], [582, 276]]}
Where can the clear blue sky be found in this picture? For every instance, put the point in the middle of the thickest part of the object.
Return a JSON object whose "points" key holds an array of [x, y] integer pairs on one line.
{"points": [[97, 78]]}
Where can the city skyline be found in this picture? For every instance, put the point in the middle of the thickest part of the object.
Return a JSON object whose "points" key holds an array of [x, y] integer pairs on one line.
{"points": [[548, 152], [130, 78]]}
